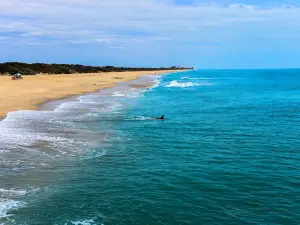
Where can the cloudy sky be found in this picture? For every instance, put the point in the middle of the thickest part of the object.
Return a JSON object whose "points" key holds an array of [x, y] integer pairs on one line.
{"points": [[204, 34]]}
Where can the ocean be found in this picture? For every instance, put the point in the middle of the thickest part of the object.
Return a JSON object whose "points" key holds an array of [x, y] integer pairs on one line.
{"points": [[227, 153]]}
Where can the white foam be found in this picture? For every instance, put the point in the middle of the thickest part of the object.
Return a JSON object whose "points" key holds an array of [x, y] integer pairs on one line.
{"points": [[84, 222], [156, 83], [139, 118], [12, 192], [132, 93], [8, 205], [118, 94], [23, 132], [20, 128], [175, 83], [96, 154], [88, 98], [68, 106], [135, 94], [182, 78]]}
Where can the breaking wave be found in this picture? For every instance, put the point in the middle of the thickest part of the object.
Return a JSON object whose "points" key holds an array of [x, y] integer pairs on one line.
{"points": [[118, 94], [139, 118], [84, 222], [8, 205], [175, 83]]}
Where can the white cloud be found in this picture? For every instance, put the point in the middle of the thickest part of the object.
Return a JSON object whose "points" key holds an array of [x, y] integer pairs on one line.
{"points": [[136, 13], [134, 22]]}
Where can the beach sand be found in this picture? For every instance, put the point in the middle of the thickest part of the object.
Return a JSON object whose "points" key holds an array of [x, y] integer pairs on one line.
{"points": [[29, 93]]}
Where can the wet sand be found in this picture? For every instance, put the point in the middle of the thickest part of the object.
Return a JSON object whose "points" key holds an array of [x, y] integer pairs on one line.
{"points": [[32, 91]]}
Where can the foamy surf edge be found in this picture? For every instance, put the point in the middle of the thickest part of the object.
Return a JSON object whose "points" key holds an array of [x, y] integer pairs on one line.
{"points": [[175, 83], [8, 205], [85, 222], [139, 118]]}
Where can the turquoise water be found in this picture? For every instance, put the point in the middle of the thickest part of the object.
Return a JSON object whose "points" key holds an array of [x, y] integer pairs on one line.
{"points": [[228, 153]]}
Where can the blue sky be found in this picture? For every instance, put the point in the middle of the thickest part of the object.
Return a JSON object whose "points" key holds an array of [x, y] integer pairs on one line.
{"points": [[199, 33]]}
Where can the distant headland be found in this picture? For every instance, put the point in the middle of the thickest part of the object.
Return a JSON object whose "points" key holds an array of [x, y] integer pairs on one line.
{"points": [[10, 68]]}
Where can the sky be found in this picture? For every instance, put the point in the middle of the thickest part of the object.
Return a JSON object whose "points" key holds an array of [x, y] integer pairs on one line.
{"points": [[200, 33]]}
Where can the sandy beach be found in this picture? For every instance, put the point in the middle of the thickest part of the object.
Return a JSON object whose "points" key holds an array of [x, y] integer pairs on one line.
{"points": [[29, 93]]}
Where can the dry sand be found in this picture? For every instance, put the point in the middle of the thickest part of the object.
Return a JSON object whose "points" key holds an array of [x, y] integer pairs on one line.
{"points": [[29, 93]]}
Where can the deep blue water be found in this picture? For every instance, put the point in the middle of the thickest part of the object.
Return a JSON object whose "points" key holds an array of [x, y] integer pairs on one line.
{"points": [[228, 153]]}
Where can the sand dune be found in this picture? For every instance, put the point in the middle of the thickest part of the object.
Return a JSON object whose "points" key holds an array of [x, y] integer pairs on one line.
{"points": [[29, 93]]}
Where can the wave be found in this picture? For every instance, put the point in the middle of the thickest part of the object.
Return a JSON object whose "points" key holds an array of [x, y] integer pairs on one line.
{"points": [[84, 222], [11, 192], [175, 83], [157, 81], [133, 93], [118, 94], [96, 154], [36, 139], [8, 205], [139, 118]]}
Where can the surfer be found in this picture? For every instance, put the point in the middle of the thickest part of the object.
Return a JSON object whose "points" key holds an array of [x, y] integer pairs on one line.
{"points": [[161, 118]]}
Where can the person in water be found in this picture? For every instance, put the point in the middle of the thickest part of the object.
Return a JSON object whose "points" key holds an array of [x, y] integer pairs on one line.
{"points": [[161, 118]]}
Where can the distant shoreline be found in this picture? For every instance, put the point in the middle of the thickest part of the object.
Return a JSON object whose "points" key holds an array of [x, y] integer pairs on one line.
{"points": [[10, 68], [32, 91]]}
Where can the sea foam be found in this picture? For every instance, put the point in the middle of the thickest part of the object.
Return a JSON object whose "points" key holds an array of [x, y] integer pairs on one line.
{"points": [[175, 83], [84, 222], [7, 205], [118, 94], [11, 192], [139, 118]]}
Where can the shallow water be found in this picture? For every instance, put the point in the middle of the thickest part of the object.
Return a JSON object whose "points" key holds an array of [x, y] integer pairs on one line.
{"points": [[228, 153]]}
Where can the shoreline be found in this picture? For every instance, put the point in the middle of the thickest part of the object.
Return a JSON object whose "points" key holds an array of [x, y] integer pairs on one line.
{"points": [[140, 82], [35, 91]]}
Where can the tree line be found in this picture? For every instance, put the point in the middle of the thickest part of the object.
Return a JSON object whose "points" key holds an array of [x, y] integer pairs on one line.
{"points": [[11, 68]]}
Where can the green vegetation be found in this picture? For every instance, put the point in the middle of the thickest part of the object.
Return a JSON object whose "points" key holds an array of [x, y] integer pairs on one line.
{"points": [[10, 68]]}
